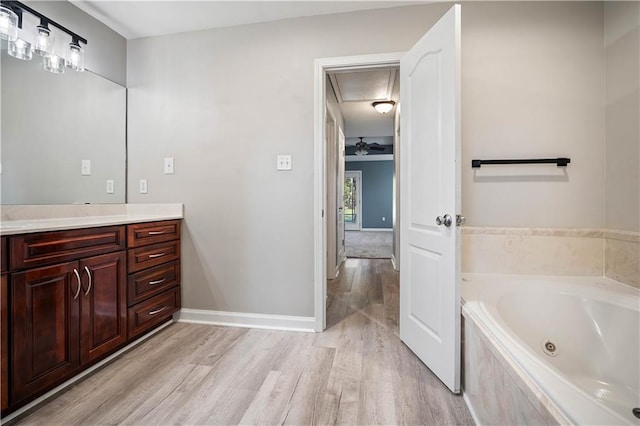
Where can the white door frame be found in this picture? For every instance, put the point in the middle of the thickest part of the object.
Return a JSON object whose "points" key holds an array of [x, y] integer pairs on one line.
{"points": [[332, 208], [358, 175], [321, 67]]}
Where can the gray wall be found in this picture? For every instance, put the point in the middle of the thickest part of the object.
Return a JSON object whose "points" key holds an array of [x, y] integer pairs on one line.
{"points": [[225, 102], [377, 192], [622, 49], [106, 50]]}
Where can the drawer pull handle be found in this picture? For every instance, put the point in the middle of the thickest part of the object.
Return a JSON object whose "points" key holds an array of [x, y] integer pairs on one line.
{"points": [[155, 232], [157, 310], [75, 271], [86, 269], [153, 256], [157, 281]]}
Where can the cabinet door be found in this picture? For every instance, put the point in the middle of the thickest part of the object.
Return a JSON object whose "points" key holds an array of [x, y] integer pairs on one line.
{"points": [[104, 305], [4, 342], [46, 330]]}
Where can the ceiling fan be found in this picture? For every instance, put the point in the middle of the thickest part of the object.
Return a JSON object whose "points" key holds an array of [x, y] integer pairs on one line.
{"points": [[362, 148]]}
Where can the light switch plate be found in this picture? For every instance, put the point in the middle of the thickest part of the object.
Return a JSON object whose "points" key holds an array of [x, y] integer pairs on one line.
{"points": [[110, 186], [86, 168], [143, 186], [283, 162], [169, 164]]}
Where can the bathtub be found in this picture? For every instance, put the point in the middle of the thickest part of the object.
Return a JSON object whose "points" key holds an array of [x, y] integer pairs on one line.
{"points": [[574, 340]]}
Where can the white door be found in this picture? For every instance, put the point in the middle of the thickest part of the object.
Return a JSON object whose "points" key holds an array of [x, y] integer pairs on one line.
{"points": [[340, 199], [430, 189], [353, 200]]}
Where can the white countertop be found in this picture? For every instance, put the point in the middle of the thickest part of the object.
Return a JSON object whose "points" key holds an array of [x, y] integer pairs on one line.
{"points": [[29, 219]]}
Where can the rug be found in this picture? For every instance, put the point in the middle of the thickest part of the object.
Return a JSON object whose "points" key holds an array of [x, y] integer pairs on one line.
{"points": [[368, 244]]}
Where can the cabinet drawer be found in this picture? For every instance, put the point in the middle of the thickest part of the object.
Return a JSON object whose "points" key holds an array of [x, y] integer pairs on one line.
{"points": [[143, 234], [152, 281], [47, 248], [154, 311], [157, 254]]}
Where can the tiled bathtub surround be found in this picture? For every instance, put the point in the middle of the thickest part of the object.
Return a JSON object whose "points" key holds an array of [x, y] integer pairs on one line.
{"points": [[497, 389], [622, 256], [537, 251]]}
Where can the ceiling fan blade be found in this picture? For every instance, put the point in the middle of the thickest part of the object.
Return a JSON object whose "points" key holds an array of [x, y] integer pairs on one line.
{"points": [[376, 147]]}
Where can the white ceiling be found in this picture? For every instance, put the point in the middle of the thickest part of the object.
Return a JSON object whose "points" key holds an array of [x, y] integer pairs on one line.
{"points": [[356, 91], [135, 19]]}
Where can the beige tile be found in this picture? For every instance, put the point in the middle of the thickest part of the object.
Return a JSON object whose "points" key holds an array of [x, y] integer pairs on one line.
{"points": [[513, 251], [622, 260]]}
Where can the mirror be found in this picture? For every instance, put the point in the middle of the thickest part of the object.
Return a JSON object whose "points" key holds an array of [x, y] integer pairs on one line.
{"points": [[50, 124]]}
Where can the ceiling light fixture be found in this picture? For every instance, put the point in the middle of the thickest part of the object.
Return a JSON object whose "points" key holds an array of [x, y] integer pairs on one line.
{"points": [[43, 39], [383, 107]]}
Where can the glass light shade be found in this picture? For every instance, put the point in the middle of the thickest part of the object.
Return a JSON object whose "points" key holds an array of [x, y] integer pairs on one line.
{"points": [[54, 64], [383, 107], [8, 24], [20, 49], [75, 57], [45, 41], [361, 151]]}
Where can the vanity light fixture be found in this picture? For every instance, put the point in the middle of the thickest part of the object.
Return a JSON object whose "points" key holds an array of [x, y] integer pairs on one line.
{"points": [[383, 107], [8, 24], [20, 49], [43, 39], [54, 64], [75, 56]]}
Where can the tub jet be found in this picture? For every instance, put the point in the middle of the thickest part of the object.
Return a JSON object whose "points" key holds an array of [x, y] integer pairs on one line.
{"points": [[549, 348]]}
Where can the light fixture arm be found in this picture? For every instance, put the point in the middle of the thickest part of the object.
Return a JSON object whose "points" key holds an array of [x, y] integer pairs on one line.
{"points": [[19, 7]]}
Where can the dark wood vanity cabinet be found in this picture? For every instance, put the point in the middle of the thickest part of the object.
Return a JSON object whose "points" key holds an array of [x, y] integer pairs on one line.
{"points": [[4, 342], [103, 306], [154, 274], [64, 316], [45, 317], [68, 301]]}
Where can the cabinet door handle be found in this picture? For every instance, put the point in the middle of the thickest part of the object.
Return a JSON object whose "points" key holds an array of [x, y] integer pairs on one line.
{"points": [[157, 281], [153, 256], [86, 269], [75, 271], [156, 232], [157, 310]]}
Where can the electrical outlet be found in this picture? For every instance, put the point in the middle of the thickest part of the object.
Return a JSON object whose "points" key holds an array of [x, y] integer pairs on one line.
{"points": [[283, 162], [86, 168], [143, 186], [110, 186], [169, 166]]}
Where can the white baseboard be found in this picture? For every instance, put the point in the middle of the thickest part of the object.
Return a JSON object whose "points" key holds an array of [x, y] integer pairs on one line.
{"points": [[239, 319], [378, 229], [394, 262], [54, 392], [471, 410]]}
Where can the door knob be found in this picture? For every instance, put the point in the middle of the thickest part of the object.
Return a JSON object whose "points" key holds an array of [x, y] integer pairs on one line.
{"points": [[446, 220]]}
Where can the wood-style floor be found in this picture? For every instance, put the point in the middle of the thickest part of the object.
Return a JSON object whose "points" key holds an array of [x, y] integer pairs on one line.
{"points": [[357, 372]]}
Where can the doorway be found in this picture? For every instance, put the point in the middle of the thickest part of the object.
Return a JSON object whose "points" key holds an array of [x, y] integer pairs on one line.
{"points": [[353, 200], [322, 217]]}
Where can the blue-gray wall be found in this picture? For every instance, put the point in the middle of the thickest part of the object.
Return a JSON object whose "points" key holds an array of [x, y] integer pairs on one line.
{"points": [[377, 191]]}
